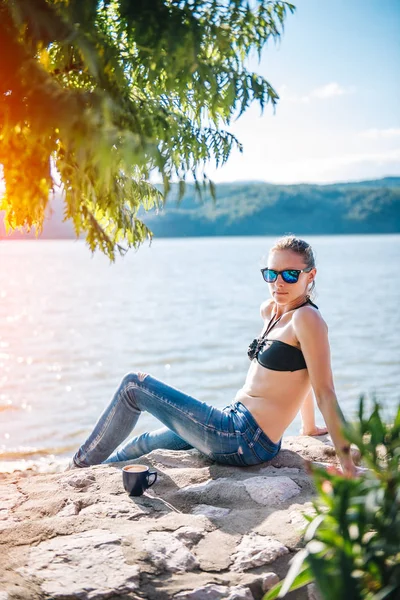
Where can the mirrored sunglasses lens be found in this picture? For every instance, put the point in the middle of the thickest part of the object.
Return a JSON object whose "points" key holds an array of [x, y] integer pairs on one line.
{"points": [[269, 276], [290, 276]]}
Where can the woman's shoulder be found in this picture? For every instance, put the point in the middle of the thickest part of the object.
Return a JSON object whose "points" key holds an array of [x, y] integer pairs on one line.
{"points": [[310, 317], [266, 308]]}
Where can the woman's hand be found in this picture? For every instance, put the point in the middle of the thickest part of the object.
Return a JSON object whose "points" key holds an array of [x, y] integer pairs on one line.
{"points": [[349, 468], [347, 455]]}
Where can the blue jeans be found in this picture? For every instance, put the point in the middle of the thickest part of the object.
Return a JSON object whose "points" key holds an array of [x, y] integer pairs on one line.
{"points": [[228, 436]]}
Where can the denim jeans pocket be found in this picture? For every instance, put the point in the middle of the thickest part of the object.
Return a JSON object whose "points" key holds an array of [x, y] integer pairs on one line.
{"points": [[260, 448]]}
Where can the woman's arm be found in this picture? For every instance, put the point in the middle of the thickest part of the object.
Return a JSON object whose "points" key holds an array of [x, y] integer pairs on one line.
{"points": [[312, 333], [308, 426]]}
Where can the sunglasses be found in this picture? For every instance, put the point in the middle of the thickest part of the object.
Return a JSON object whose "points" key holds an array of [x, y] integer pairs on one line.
{"points": [[288, 275]]}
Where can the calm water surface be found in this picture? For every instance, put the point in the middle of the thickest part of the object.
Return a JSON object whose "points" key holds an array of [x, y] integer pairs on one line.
{"points": [[185, 310]]}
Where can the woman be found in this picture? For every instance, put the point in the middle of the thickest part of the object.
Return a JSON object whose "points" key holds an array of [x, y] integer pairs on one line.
{"points": [[289, 360]]}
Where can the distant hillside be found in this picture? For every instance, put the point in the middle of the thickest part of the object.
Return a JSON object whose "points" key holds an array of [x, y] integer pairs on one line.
{"points": [[257, 208]]}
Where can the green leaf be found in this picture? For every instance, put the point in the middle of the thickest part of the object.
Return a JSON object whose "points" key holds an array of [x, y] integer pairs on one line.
{"points": [[279, 591], [297, 567], [312, 528], [213, 191]]}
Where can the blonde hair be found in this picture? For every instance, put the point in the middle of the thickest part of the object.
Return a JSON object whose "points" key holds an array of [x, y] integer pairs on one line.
{"points": [[301, 247]]}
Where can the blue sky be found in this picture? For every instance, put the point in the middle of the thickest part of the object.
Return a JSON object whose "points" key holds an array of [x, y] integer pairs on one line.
{"points": [[337, 71]]}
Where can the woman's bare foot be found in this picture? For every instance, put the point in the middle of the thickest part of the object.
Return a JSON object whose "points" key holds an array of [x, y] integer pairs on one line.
{"points": [[315, 431]]}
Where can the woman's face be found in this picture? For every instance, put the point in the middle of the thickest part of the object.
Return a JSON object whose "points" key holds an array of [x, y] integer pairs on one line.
{"points": [[282, 292]]}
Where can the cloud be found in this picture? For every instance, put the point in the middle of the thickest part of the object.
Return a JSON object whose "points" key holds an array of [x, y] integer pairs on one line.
{"points": [[380, 158], [342, 167], [375, 134], [336, 166], [330, 90], [363, 165]]}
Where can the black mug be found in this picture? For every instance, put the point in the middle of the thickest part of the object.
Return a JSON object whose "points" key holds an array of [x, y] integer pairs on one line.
{"points": [[137, 478]]}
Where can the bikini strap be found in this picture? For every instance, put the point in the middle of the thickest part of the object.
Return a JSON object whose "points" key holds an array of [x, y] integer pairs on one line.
{"points": [[308, 301], [272, 324]]}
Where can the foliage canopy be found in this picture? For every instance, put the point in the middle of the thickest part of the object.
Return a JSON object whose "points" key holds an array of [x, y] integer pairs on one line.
{"points": [[97, 96]]}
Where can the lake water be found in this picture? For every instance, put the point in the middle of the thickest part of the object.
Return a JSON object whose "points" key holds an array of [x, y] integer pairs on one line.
{"points": [[183, 309]]}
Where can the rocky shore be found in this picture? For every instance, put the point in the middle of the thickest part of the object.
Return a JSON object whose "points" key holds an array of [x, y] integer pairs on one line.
{"points": [[203, 532]]}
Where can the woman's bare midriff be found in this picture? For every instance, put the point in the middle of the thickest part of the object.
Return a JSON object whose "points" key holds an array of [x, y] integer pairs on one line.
{"points": [[273, 397]]}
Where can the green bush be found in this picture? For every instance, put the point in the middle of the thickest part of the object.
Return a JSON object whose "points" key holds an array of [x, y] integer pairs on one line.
{"points": [[352, 545]]}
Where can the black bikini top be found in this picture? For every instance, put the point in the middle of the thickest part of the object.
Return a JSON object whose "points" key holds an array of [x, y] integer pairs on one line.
{"points": [[277, 355]]}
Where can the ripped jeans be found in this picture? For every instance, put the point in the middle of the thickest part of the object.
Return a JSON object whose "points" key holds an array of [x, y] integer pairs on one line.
{"points": [[228, 436]]}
